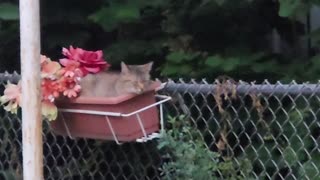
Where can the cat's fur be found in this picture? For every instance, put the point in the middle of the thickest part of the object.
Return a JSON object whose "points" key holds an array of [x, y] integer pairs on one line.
{"points": [[131, 79]]}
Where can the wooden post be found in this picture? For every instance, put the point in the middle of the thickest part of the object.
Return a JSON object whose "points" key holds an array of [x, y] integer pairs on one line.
{"points": [[31, 102]]}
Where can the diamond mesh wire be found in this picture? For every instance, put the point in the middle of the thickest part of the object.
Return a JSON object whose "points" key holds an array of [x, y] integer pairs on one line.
{"points": [[275, 127]]}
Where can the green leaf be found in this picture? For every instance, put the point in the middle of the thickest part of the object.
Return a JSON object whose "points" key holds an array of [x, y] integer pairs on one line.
{"points": [[270, 66], [170, 70], [287, 7], [293, 152], [176, 57], [162, 144], [111, 17], [181, 56], [231, 64], [290, 156], [185, 69], [264, 153], [9, 11], [246, 166], [214, 61], [311, 169], [8, 175], [254, 57]]}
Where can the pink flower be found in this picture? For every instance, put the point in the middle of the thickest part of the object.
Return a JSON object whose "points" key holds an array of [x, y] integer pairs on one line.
{"points": [[70, 87], [90, 61], [72, 90], [57, 81], [44, 59], [71, 69], [49, 68], [12, 96]]}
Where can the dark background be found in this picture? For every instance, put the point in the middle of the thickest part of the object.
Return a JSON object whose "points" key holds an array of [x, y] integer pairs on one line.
{"points": [[185, 38]]}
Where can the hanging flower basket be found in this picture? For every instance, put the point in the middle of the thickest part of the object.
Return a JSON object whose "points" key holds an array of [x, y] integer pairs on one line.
{"points": [[122, 119]]}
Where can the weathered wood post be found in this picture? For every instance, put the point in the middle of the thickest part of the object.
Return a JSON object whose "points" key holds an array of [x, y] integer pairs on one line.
{"points": [[31, 102]]}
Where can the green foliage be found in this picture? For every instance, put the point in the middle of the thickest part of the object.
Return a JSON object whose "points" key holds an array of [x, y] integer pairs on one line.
{"points": [[189, 158], [115, 14], [190, 38], [9, 175], [289, 7], [311, 168], [182, 63], [9, 11], [284, 145]]}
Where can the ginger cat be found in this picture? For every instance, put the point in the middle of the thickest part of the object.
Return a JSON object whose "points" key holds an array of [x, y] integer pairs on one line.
{"points": [[132, 79]]}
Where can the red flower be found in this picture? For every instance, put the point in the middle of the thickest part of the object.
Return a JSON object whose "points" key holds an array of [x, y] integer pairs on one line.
{"points": [[90, 61], [50, 89]]}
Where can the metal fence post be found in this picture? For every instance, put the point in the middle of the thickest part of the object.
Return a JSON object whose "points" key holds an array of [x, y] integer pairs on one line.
{"points": [[31, 102]]}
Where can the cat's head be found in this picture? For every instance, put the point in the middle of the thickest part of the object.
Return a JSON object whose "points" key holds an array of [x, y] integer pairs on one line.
{"points": [[135, 78]]}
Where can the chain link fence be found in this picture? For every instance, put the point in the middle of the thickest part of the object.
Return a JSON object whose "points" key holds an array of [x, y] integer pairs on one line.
{"points": [[274, 128]]}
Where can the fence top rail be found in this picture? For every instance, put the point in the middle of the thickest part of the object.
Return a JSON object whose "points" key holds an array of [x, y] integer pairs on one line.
{"points": [[243, 88], [12, 77], [203, 87]]}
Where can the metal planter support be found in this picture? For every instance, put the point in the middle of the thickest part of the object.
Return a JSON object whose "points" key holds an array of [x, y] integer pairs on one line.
{"points": [[122, 119]]}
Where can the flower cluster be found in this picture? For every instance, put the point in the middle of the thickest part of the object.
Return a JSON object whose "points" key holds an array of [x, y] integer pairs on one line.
{"points": [[57, 80]]}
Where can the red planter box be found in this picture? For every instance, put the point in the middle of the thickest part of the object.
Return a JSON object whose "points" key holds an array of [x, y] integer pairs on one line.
{"points": [[96, 126]]}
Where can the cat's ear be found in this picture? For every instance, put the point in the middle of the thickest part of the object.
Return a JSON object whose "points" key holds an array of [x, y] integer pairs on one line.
{"points": [[124, 68], [148, 66]]}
